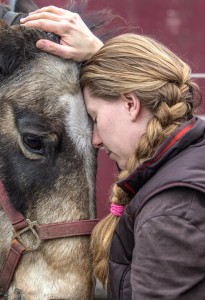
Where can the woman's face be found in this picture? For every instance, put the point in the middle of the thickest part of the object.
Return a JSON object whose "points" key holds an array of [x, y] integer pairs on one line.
{"points": [[115, 128]]}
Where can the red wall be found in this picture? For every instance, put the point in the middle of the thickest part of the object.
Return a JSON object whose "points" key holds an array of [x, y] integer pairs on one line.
{"points": [[179, 24]]}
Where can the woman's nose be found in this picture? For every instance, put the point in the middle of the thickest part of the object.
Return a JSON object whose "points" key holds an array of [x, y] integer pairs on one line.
{"points": [[96, 139]]}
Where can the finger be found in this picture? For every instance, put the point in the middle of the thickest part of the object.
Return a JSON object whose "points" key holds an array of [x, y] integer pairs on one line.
{"points": [[42, 15], [51, 9], [46, 25], [53, 48]]}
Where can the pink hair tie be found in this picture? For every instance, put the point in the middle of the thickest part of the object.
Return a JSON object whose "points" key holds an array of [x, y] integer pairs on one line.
{"points": [[116, 210]]}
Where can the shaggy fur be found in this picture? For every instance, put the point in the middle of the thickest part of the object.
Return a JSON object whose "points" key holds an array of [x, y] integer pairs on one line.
{"points": [[47, 164]]}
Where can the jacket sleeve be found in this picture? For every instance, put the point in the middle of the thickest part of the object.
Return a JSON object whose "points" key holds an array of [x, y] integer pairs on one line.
{"points": [[169, 256]]}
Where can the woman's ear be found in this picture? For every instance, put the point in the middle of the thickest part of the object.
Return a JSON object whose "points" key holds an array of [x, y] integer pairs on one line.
{"points": [[132, 104]]}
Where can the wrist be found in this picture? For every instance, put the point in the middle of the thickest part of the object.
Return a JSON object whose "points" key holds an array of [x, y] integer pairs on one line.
{"points": [[96, 44]]}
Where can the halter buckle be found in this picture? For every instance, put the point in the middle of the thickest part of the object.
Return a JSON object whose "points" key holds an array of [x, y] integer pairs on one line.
{"points": [[37, 241]]}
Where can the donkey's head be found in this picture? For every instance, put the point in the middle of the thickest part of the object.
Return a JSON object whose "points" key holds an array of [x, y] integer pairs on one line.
{"points": [[44, 130], [47, 163]]}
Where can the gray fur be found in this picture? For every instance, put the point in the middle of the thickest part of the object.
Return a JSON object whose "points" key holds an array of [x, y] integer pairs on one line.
{"points": [[37, 98]]}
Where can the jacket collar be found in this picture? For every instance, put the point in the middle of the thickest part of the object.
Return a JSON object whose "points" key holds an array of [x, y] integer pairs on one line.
{"points": [[188, 133]]}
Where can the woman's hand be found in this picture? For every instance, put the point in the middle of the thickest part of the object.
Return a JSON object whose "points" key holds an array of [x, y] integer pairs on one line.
{"points": [[77, 42]]}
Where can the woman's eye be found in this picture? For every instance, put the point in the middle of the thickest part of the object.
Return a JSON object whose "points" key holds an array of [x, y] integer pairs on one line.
{"points": [[34, 144]]}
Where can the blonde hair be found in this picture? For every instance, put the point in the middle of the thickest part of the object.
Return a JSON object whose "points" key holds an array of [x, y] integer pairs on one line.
{"points": [[161, 80]]}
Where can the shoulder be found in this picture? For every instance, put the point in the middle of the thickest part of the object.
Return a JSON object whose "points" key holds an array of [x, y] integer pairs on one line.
{"points": [[169, 238], [180, 202]]}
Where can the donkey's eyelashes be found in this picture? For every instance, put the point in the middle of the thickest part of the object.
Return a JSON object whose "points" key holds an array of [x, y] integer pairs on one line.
{"points": [[37, 147], [34, 144], [37, 138]]}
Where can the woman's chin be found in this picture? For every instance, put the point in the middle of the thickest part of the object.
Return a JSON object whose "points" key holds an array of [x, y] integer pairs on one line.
{"points": [[120, 164]]}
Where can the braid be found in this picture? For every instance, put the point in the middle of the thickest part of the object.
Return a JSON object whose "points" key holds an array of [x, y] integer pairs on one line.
{"points": [[103, 232], [172, 109]]}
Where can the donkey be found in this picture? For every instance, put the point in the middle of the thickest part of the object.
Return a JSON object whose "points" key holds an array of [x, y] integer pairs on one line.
{"points": [[47, 170]]}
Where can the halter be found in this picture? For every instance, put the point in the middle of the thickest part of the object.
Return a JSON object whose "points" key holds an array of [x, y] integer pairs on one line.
{"points": [[10, 17], [40, 233]]}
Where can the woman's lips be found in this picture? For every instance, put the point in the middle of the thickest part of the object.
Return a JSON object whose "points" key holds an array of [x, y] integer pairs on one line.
{"points": [[108, 152]]}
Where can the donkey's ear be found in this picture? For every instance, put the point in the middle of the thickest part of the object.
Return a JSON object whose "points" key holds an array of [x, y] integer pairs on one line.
{"points": [[24, 6], [10, 51], [9, 61]]}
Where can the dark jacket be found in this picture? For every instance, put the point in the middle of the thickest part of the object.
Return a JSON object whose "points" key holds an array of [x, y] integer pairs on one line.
{"points": [[158, 247]]}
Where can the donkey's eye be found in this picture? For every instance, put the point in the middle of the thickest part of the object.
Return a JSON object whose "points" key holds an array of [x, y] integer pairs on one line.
{"points": [[34, 144]]}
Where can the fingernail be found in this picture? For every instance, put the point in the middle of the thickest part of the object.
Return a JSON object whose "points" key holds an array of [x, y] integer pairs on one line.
{"points": [[21, 20]]}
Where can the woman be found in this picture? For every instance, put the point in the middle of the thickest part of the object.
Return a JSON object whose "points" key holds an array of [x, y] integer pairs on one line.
{"points": [[141, 100]]}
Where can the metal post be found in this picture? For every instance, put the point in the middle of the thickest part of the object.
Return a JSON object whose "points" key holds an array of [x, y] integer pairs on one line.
{"points": [[12, 4], [198, 75]]}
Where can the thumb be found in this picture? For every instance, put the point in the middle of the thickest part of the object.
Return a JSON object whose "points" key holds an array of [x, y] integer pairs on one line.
{"points": [[42, 45], [53, 48]]}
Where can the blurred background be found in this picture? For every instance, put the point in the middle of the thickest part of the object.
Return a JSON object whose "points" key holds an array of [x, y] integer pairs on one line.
{"points": [[179, 24]]}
